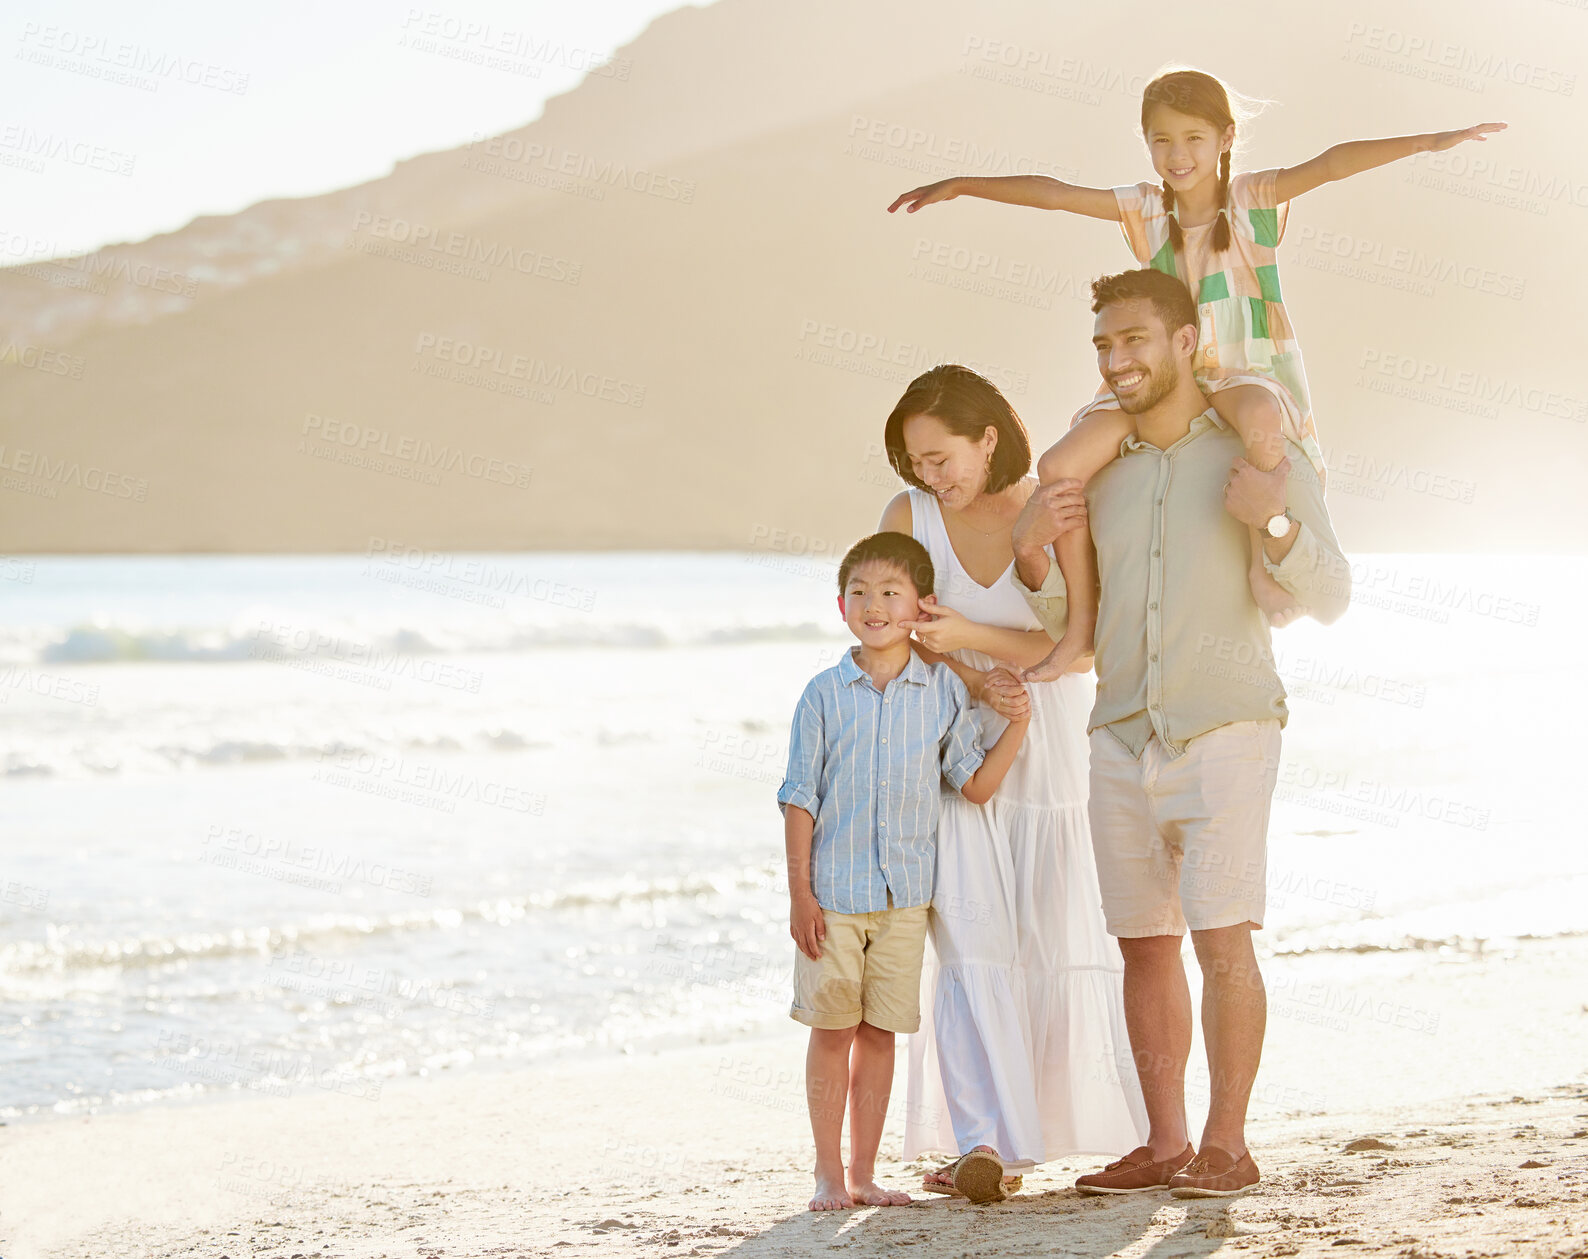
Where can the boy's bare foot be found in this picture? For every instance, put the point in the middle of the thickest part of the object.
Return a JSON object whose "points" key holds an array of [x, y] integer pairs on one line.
{"points": [[830, 1194], [868, 1193]]}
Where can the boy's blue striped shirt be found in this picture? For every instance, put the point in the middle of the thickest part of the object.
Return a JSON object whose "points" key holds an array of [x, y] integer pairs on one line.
{"points": [[868, 765]]}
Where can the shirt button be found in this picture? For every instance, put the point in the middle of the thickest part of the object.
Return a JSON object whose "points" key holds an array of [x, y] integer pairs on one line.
{"points": [[1160, 502], [1153, 657], [884, 782], [884, 738], [1156, 552], [1153, 606]]}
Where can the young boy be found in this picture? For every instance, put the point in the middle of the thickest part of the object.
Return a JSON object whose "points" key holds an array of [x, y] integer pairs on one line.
{"points": [[872, 739]]}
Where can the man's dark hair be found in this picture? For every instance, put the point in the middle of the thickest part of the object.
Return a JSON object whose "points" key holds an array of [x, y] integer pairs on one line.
{"points": [[898, 549], [1170, 299]]}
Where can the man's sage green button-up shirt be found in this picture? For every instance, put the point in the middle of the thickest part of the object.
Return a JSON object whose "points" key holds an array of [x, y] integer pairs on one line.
{"points": [[1181, 645]]}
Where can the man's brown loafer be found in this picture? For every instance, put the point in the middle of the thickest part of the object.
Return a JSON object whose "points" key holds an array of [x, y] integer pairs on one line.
{"points": [[1137, 1172], [1215, 1173]]}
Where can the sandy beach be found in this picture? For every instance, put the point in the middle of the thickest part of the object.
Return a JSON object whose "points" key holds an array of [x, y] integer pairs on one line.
{"points": [[1420, 1105], [413, 565]]}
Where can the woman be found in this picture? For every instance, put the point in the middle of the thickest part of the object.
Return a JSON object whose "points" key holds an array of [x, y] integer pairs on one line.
{"points": [[1023, 1054]]}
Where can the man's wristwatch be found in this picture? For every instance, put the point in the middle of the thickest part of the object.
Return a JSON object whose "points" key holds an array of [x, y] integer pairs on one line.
{"points": [[1280, 526]]}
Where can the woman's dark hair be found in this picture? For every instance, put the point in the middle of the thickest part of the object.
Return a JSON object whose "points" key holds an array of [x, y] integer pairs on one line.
{"points": [[1200, 96], [966, 403], [898, 549]]}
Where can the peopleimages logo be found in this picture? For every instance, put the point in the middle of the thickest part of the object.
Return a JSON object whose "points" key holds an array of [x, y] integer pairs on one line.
{"points": [[915, 148], [1495, 181], [492, 363], [94, 271], [52, 146], [467, 247], [1365, 252], [994, 275], [1476, 389], [376, 444], [72, 473], [135, 65], [1369, 476], [431, 31], [549, 160], [1047, 72], [1482, 63], [41, 358], [871, 352]]}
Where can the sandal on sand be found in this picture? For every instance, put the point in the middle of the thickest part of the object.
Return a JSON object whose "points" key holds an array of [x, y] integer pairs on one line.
{"points": [[980, 1177], [946, 1170], [1009, 1184]]}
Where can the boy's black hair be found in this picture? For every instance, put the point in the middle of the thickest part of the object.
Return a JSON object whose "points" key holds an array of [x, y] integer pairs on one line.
{"points": [[898, 549]]}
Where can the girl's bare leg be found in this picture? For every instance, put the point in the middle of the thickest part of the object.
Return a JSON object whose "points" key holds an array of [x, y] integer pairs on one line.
{"points": [[1080, 455], [1254, 413]]}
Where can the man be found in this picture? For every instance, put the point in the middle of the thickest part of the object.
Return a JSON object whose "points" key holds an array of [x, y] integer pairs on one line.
{"points": [[1185, 732]]}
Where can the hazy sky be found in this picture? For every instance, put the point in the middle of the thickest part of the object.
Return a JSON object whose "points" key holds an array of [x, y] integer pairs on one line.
{"points": [[231, 104]]}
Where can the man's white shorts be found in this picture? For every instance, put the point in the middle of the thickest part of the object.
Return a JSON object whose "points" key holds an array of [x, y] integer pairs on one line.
{"points": [[1183, 840]]}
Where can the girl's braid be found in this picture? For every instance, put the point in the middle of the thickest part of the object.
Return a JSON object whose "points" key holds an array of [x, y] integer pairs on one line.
{"points": [[1221, 229]]}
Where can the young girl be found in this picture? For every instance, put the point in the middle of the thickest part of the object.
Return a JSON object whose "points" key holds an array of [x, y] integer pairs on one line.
{"points": [[1217, 234]]}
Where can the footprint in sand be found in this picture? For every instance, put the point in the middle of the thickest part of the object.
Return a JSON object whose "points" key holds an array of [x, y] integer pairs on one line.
{"points": [[1367, 1143]]}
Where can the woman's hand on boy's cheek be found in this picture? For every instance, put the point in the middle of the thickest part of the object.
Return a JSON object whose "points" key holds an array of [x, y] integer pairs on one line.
{"points": [[924, 618], [941, 629], [807, 926]]}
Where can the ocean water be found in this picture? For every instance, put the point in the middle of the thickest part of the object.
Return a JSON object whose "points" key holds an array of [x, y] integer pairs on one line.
{"points": [[280, 824]]}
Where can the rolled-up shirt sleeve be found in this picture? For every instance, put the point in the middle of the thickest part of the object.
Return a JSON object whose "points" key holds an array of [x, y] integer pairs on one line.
{"points": [[1315, 569], [1051, 603], [960, 750], [807, 754]]}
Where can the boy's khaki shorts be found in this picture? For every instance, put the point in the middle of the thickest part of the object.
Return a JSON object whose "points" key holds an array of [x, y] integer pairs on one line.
{"points": [[870, 969], [1183, 840]]}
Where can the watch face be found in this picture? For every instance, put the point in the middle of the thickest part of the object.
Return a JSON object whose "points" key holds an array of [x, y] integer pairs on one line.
{"points": [[1278, 526]]}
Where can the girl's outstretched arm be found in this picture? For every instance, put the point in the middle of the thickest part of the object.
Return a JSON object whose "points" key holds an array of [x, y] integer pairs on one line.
{"points": [[1355, 156], [1039, 191]]}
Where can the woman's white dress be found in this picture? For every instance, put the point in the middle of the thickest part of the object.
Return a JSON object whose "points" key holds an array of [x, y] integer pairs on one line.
{"points": [[1023, 1045]]}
